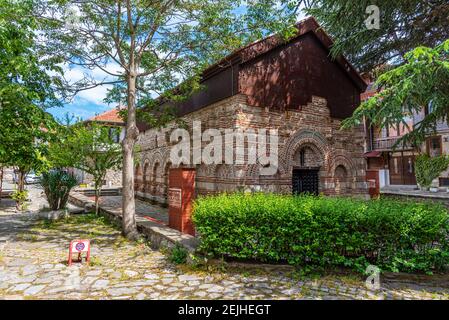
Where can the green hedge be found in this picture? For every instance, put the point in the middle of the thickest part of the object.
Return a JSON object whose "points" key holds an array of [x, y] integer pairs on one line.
{"points": [[323, 231]]}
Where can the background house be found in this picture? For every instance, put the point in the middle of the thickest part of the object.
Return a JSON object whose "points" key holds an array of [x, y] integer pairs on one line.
{"points": [[111, 120], [396, 165]]}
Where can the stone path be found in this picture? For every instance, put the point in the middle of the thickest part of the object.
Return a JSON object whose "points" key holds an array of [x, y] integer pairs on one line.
{"points": [[143, 208], [33, 255]]}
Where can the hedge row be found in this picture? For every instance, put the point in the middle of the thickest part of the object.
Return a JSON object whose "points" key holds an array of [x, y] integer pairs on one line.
{"points": [[321, 231]]}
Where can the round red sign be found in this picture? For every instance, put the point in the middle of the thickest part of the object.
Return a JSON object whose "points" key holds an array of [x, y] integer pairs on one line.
{"points": [[79, 246]]}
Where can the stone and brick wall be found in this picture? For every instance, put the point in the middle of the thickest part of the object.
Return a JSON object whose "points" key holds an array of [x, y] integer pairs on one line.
{"points": [[113, 177], [339, 154]]}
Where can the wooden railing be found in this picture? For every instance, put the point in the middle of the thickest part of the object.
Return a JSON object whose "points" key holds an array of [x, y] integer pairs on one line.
{"points": [[388, 143]]}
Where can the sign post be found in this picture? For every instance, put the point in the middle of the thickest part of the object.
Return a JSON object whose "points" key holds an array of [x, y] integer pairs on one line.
{"points": [[79, 246], [181, 193]]}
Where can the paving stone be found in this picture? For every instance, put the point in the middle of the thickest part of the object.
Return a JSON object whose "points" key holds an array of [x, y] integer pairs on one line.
{"points": [[33, 290], [188, 289], [187, 277], [27, 279], [30, 269], [206, 286], [20, 287], [154, 295], [215, 288], [131, 273], [100, 284], [140, 296], [121, 291], [200, 294], [167, 281]]}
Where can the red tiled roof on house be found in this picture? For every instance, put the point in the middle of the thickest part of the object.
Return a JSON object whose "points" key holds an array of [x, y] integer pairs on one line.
{"points": [[110, 116], [370, 91]]}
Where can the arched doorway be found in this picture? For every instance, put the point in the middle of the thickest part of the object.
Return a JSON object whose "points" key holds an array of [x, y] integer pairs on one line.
{"points": [[307, 163]]}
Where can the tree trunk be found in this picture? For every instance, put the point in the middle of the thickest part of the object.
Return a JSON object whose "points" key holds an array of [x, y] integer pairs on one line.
{"points": [[128, 202], [1, 182], [20, 188], [21, 181], [97, 195]]}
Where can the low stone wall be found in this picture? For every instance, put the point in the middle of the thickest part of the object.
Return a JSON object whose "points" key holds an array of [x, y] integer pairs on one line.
{"points": [[160, 236], [152, 199], [114, 191], [403, 195]]}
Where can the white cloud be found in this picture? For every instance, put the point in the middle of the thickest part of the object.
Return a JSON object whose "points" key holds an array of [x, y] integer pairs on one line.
{"points": [[95, 95]]}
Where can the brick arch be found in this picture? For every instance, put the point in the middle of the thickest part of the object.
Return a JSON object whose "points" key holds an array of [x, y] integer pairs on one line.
{"points": [[222, 173], [146, 177], [342, 184], [341, 160], [206, 170], [252, 171], [301, 138], [166, 171], [156, 157]]}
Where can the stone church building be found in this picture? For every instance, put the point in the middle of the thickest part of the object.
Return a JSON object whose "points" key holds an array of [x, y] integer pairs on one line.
{"points": [[294, 87]]}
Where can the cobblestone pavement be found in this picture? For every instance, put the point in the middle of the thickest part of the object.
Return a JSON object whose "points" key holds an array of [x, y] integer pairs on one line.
{"points": [[33, 255]]}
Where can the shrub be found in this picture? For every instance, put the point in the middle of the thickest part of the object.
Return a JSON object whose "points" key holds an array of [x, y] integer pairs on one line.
{"points": [[319, 231], [57, 185], [178, 254], [427, 168], [20, 197]]}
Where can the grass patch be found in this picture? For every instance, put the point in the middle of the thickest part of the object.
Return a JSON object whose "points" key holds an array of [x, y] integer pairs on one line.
{"points": [[95, 261]]}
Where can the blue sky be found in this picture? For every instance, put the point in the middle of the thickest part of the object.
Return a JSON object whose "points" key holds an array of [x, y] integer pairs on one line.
{"points": [[82, 108], [86, 103]]}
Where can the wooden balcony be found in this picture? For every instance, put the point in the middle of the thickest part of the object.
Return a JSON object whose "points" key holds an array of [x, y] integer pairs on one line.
{"points": [[386, 144]]}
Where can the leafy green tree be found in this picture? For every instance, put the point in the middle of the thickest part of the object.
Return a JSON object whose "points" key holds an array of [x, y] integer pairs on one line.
{"points": [[87, 147], [147, 48], [26, 89], [423, 80], [403, 26], [25, 130], [427, 168], [24, 69]]}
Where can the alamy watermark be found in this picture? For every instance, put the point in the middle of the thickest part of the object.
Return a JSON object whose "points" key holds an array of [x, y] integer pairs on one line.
{"points": [[373, 19], [373, 280], [226, 146]]}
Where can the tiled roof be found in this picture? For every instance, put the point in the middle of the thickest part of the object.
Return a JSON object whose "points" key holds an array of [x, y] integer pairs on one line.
{"points": [[110, 116], [371, 90]]}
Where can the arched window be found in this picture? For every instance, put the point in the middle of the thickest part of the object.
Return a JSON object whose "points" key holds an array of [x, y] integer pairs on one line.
{"points": [[137, 177], [155, 180], [146, 177], [166, 177], [341, 180], [308, 156]]}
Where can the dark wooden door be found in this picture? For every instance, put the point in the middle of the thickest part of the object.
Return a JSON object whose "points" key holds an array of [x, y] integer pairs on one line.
{"points": [[305, 181], [402, 170]]}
